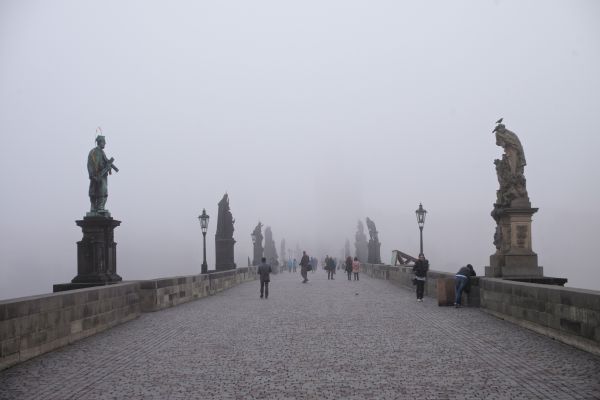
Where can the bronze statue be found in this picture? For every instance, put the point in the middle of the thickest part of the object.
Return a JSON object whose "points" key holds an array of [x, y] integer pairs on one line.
{"points": [[99, 167]]}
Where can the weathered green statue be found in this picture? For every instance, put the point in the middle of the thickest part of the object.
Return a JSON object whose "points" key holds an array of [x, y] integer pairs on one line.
{"points": [[99, 167]]}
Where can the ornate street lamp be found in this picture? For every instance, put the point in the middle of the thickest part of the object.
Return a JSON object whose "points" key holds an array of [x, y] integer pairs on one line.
{"points": [[204, 225], [421, 212]]}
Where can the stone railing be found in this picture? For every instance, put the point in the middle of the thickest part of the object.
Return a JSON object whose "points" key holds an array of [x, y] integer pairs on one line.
{"points": [[569, 315], [404, 276], [157, 294], [31, 326]]}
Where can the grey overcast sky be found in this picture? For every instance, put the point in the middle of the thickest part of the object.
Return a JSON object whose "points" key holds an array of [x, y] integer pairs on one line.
{"points": [[310, 114]]}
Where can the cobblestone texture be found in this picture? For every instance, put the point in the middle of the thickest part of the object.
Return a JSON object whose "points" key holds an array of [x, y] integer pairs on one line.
{"points": [[322, 340]]}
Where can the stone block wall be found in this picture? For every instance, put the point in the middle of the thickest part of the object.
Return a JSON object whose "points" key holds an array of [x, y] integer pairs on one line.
{"points": [[158, 294], [404, 277], [30, 326], [566, 314], [569, 315]]}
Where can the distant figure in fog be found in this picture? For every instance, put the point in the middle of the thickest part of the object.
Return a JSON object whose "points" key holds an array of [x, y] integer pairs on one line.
{"points": [[349, 267], [462, 279], [264, 271], [304, 266], [330, 267], [289, 265], [420, 269], [294, 264], [356, 268]]}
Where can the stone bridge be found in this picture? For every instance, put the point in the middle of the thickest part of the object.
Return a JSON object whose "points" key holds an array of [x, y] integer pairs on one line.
{"points": [[327, 339]]}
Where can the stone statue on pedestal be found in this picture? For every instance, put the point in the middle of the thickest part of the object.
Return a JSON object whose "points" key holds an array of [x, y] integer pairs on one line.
{"points": [[360, 244], [270, 250], [97, 250], [512, 212], [347, 249], [257, 239], [224, 241], [282, 251], [374, 247]]}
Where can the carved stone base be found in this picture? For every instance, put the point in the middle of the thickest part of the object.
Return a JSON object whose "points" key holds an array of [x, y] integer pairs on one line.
{"points": [[515, 257], [224, 257], [96, 254], [374, 256]]}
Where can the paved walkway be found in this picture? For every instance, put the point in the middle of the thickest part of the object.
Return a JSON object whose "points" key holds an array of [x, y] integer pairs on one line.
{"points": [[322, 340]]}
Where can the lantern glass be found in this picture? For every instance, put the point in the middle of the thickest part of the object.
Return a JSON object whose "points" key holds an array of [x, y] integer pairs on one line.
{"points": [[204, 221], [421, 212]]}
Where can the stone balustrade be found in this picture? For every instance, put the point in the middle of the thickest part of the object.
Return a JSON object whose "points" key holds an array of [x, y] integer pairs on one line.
{"points": [[566, 314], [30, 326]]}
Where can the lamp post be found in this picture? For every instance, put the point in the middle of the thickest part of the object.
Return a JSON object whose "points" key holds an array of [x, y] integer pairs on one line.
{"points": [[421, 212], [204, 225], [253, 236]]}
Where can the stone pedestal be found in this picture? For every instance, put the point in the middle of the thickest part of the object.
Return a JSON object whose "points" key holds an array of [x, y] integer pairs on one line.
{"points": [[224, 257], [96, 254], [374, 255], [258, 254], [515, 257]]}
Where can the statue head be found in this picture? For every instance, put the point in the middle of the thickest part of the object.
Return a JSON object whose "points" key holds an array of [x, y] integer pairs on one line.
{"points": [[101, 141]]}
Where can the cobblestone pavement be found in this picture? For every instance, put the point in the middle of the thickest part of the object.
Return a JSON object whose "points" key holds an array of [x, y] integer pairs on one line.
{"points": [[321, 340]]}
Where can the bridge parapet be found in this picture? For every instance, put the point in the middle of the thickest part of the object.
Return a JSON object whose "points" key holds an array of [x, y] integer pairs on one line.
{"points": [[158, 294], [30, 326], [569, 315]]}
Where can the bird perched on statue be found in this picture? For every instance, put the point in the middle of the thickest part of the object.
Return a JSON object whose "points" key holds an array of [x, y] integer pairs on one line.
{"points": [[499, 125]]}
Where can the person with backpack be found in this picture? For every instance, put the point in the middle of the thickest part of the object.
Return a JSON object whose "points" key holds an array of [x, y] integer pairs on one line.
{"points": [[462, 279], [420, 270]]}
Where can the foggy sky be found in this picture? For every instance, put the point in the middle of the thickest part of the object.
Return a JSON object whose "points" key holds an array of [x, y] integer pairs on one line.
{"points": [[310, 115]]}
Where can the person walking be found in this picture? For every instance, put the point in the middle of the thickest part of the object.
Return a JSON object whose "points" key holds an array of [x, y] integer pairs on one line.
{"points": [[289, 265], [264, 271], [349, 267], [462, 279], [304, 264], [330, 266], [294, 265], [420, 269], [356, 268]]}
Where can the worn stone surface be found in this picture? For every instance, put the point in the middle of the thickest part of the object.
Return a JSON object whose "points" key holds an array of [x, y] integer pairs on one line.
{"points": [[327, 339]]}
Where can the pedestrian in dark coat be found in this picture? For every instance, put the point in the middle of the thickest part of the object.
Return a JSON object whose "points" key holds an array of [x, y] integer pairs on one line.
{"points": [[330, 265], [349, 267], [264, 271], [462, 280], [420, 269], [304, 263]]}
